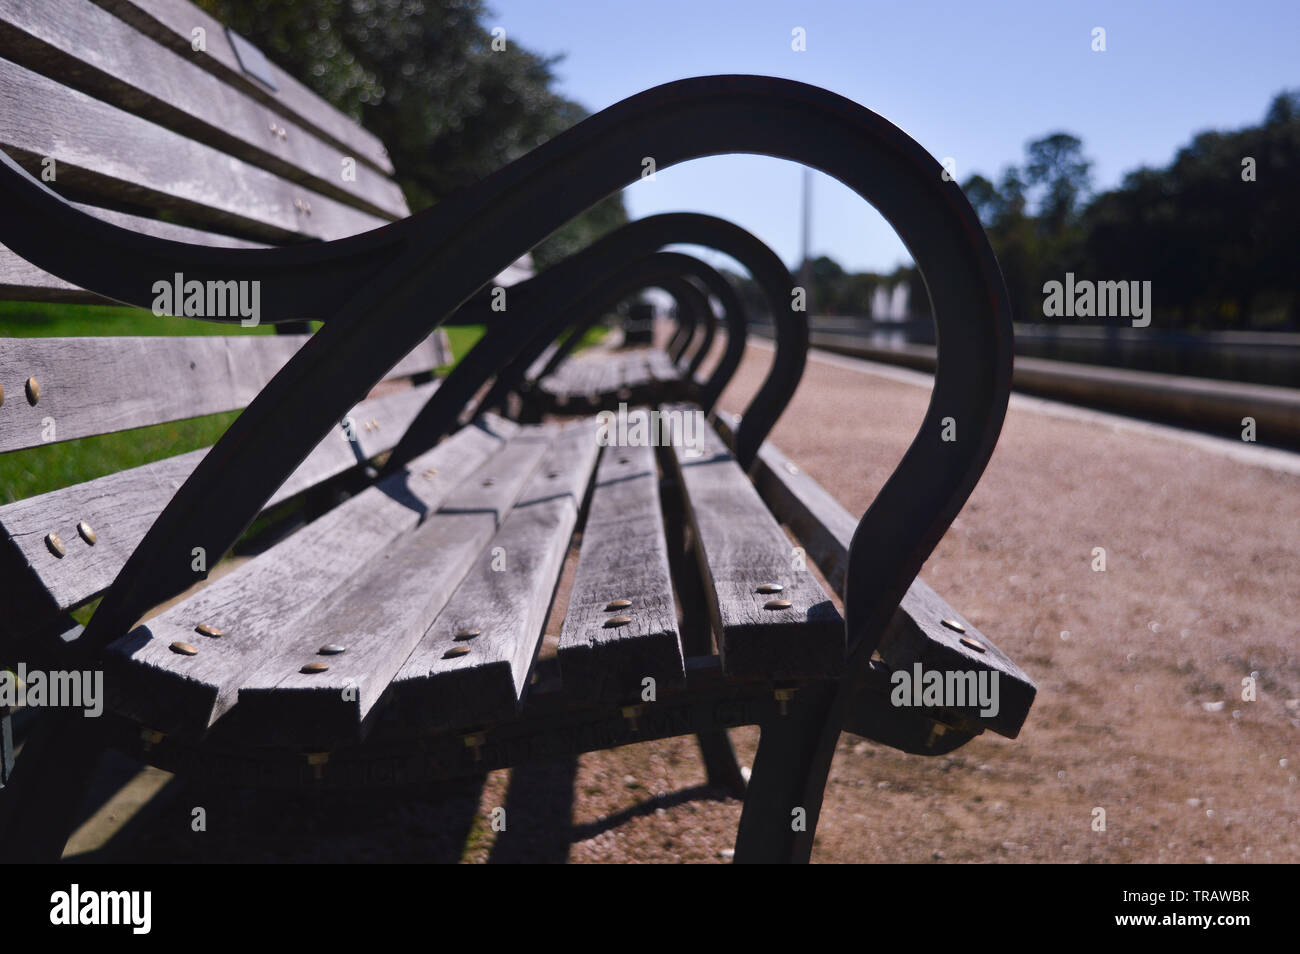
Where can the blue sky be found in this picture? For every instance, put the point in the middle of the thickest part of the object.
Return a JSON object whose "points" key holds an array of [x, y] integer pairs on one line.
{"points": [[971, 81]]}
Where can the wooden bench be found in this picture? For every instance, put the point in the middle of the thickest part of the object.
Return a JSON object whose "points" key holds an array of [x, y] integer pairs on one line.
{"points": [[393, 637]]}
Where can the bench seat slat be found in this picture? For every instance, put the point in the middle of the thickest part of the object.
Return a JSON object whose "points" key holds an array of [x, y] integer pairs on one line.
{"points": [[384, 611], [267, 605], [740, 546], [917, 633], [508, 607], [100, 149], [121, 507], [624, 555], [89, 48], [91, 386]]}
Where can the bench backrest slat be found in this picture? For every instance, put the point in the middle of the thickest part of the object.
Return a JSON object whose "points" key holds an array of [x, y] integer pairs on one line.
{"points": [[102, 150], [88, 48], [173, 22], [89, 386]]}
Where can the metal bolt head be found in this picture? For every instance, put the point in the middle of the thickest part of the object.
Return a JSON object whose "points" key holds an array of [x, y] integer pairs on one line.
{"points": [[974, 644], [331, 649], [207, 629], [33, 391], [954, 625], [466, 634], [616, 621], [617, 605], [56, 545], [777, 604], [312, 668], [456, 652], [770, 588], [184, 649], [87, 533]]}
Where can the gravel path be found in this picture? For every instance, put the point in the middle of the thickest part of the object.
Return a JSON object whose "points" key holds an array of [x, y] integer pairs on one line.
{"points": [[1140, 671]]}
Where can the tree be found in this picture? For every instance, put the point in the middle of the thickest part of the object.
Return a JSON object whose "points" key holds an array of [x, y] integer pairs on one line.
{"points": [[423, 76]]}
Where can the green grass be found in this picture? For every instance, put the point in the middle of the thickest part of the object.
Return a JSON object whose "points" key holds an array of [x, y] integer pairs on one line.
{"points": [[38, 470], [25, 319]]}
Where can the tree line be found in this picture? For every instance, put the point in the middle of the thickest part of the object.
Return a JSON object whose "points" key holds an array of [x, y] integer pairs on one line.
{"points": [[1216, 231], [451, 101]]}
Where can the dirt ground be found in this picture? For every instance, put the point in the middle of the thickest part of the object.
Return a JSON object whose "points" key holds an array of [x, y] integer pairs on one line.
{"points": [[1139, 668]]}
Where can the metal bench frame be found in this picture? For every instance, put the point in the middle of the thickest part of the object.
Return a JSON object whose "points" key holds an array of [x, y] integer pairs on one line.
{"points": [[382, 292]]}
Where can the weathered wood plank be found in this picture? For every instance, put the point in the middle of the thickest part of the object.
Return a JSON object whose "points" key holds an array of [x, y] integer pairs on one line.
{"points": [[173, 22], [273, 603], [740, 547], [99, 149], [90, 386], [917, 633], [381, 615], [507, 607], [624, 556], [119, 508], [86, 47]]}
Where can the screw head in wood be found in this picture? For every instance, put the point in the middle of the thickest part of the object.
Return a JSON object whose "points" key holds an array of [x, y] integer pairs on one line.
{"points": [[207, 629], [954, 625], [56, 545], [456, 652], [184, 649], [33, 388], [466, 634], [777, 604], [617, 605], [615, 621], [312, 668], [974, 644], [331, 649], [770, 588], [86, 533]]}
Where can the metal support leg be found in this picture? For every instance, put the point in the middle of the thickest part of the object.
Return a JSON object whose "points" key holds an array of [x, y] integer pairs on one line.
{"points": [[41, 799], [720, 765], [6, 746], [784, 800]]}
